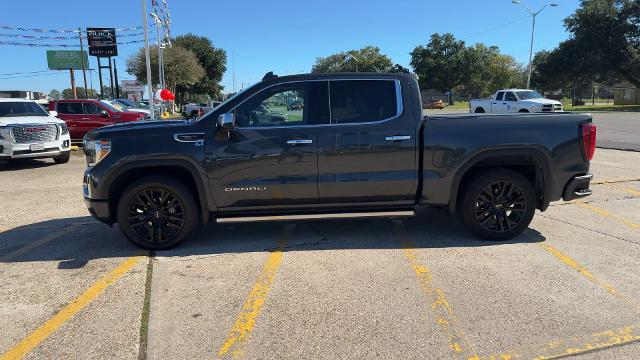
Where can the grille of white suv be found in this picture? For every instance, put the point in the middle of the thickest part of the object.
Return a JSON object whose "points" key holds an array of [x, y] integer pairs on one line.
{"points": [[34, 133]]}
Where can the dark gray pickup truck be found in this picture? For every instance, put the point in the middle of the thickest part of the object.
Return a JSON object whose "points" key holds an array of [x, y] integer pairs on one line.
{"points": [[358, 146]]}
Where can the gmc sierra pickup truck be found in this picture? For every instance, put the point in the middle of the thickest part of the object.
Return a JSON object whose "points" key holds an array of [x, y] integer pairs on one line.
{"points": [[360, 147]]}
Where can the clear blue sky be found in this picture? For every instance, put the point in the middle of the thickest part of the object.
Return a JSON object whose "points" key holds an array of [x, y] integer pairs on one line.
{"points": [[284, 36]]}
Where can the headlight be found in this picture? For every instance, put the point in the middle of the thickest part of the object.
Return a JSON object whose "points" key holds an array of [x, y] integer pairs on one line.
{"points": [[4, 133], [96, 150], [64, 130]]}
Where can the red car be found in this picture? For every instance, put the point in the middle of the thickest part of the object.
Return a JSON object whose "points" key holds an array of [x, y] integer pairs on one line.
{"points": [[83, 116]]}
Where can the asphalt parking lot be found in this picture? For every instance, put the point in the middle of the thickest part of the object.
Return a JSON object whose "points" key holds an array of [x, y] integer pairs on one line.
{"points": [[422, 287]]}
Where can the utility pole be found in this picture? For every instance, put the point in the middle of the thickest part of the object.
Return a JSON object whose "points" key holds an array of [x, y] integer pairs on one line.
{"points": [[115, 75], [73, 83], [84, 66], [146, 53], [533, 29]]}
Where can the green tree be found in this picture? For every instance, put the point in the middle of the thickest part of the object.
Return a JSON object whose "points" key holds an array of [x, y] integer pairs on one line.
{"points": [[443, 64], [55, 94], [367, 59], [491, 71], [181, 67], [212, 60], [605, 39], [68, 93]]}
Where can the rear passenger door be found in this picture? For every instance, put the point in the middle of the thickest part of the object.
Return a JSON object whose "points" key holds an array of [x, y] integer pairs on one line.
{"points": [[367, 151], [72, 114]]}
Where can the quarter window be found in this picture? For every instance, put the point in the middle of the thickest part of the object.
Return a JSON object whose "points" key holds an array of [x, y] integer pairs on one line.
{"points": [[284, 105], [357, 101], [70, 108]]}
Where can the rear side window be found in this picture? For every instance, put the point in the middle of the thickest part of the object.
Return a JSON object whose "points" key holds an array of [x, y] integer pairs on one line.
{"points": [[71, 108], [357, 101], [91, 108], [499, 96]]}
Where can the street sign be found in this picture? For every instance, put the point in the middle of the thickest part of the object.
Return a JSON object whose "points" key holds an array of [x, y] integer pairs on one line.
{"points": [[66, 59], [102, 42], [131, 86]]}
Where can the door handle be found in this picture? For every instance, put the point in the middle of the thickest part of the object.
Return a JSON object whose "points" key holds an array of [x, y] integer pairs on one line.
{"points": [[398, 138], [299, 141], [85, 119]]}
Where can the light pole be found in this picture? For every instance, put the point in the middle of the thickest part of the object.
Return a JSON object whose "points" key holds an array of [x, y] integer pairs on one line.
{"points": [[158, 22], [146, 55], [533, 29]]}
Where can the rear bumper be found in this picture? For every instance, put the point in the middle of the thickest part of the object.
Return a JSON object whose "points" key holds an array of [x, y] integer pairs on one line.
{"points": [[577, 187], [99, 209]]}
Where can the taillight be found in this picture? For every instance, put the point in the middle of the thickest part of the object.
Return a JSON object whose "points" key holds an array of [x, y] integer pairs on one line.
{"points": [[589, 140]]}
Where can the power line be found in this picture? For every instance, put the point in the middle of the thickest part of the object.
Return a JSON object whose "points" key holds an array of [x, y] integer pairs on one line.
{"points": [[30, 76], [25, 72], [495, 28]]}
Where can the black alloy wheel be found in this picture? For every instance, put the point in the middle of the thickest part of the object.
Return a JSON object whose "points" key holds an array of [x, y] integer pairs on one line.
{"points": [[156, 215], [498, 204], [157, 212]]}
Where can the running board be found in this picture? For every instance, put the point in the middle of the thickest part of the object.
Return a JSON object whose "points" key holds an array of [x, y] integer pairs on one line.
{"points": [[352, 215]]}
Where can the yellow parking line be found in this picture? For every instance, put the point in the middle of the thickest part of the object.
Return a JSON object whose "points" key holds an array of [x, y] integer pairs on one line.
{"points": [[246, 320], [445, 317], [14, 254], [632, 191], [574, 346], [52, 325], [608, 214], [613, 181], [589, 275]]}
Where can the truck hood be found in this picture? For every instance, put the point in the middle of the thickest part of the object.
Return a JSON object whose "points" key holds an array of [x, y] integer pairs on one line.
{"points": [[142, 128], [14, 120]]}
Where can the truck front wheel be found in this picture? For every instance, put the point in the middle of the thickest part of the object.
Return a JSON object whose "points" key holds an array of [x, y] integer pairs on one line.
{"points": [[479, 110], [157, 212], [498, 205]]}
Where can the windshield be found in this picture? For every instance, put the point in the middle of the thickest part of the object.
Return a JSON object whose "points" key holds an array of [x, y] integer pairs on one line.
{"points": [[21, 108], [226, 101], [109, 106], [526, 95]]}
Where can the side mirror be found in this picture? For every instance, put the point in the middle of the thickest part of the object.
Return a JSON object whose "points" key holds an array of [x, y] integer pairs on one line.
{"points": [[226, 122], [104, 113]]}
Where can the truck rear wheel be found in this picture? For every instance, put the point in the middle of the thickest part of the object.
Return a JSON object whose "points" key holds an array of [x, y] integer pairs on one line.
{"points": [[498, 205], [157, 212]]}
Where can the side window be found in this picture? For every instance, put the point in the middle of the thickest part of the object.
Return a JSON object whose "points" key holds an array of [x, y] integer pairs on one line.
{"points": [[356, 101], [91, 108], [499, 96], [69, 108], [510, 97], [284, 105]]}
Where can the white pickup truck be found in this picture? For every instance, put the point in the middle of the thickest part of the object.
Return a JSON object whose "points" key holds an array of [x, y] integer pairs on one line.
{"points": [[513, 101]]}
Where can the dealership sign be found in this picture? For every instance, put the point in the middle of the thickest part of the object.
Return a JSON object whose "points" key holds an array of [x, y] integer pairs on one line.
{"points": [[131, 86], [102, 42], [66, 59]]}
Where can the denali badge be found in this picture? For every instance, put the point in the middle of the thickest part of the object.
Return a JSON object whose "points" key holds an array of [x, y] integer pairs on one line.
{"points": [[246, 188]]}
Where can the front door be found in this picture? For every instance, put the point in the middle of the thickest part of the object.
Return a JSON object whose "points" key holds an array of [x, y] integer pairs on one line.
{"points": [[270, 158], [71, 113], [367, 154], [94, 117]]}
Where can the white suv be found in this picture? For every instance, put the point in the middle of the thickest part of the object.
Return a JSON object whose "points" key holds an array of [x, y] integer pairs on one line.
{"points": [[27, 131]]}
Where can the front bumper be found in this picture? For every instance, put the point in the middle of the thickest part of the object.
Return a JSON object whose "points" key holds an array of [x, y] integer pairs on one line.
{"points": [[11, 150], [577, 187]]}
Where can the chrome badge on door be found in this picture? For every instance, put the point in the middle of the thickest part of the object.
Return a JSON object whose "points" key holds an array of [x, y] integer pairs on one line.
{"points": [[246, 188]]}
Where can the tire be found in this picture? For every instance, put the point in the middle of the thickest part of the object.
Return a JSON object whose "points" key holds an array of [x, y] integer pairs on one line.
{"points": [[479, 110], [498, 215], [523, 111], [164, 207], [63, 158]]}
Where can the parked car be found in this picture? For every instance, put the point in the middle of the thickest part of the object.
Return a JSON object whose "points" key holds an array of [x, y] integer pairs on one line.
{"points": [[294, 106], [129, 105], [83, 116], [193, 110], [28, 131], [513, 101], [435, 104], [361, 148]]}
